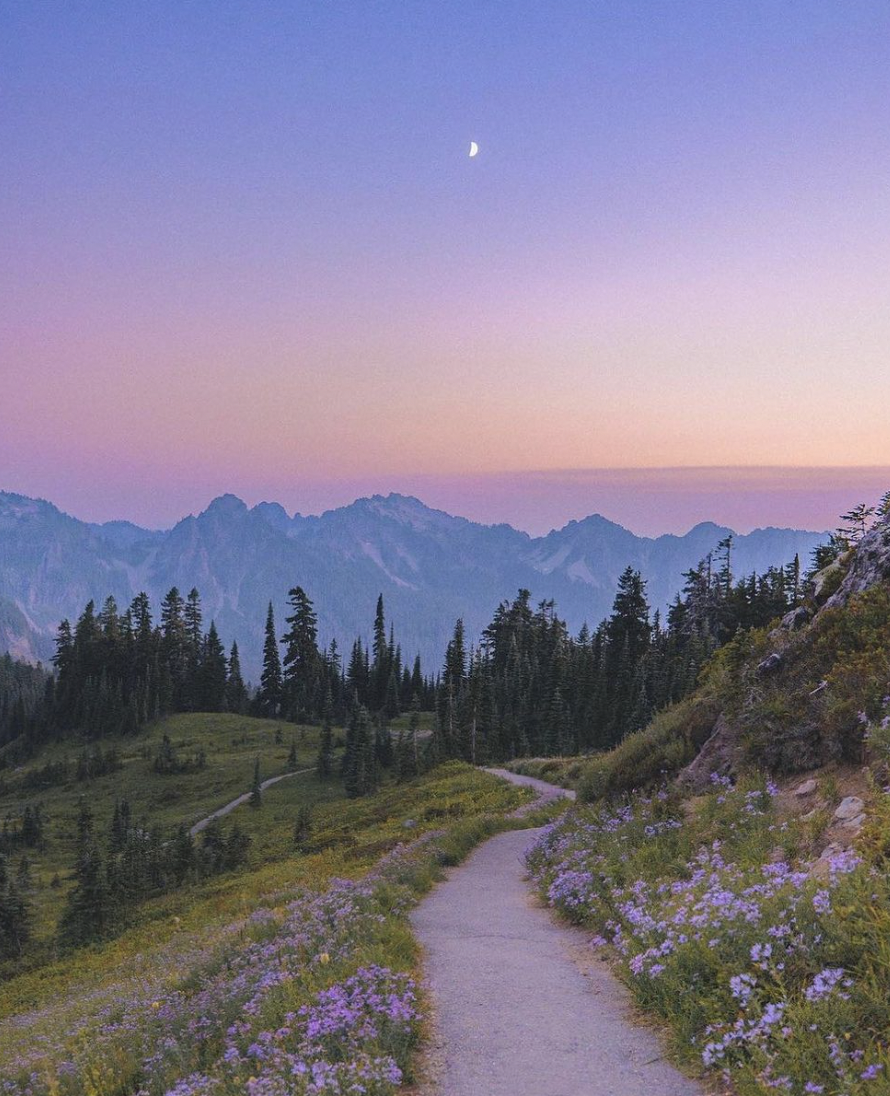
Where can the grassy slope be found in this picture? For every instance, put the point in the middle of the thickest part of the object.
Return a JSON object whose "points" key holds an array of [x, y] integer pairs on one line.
{"points": [[815, 709], [349, 837], [231, 744], [777, 976]]}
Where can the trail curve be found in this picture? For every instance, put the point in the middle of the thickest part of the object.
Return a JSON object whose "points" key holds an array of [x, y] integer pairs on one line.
{"points": [[517, 1013]]}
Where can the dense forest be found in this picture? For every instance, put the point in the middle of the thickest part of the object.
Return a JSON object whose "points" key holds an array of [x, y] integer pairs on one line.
{"points": [[116, 671], [527, 688], [532, 689]]}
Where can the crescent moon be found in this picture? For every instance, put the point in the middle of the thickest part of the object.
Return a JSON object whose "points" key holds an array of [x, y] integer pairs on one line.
{"points": [[474, 148]]}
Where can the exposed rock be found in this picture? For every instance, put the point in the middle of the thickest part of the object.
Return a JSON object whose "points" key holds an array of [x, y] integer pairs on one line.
{"points": [[797, 618], [720, 754], [806, 788], [869, 565], [849, 808], [821, 868], [822, 578], [850, 827], [770, 664]]}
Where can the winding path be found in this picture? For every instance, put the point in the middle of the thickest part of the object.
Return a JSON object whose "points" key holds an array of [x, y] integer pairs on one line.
{"points": [[229, 807], [521, 1007]]}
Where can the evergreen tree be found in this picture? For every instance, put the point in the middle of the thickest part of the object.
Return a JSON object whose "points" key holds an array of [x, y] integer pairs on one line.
{"points": [[87, 915], [857, 522], [192, 698], [212, 673], [324, 766], [414, 734], [236, 690], [382, 653], [302, 659], [303, 827], [16, 915], [174, 648], [270, 692], [182, 855], [360, 768]]}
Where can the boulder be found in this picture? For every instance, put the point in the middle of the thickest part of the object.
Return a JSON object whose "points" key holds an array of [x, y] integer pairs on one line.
{"points": [[849, 808], [770, 664], [822, 578], [720, 754], [821, 868], [851, 826], [869, 565], [815, 812], [806, 788], [795, 619]]}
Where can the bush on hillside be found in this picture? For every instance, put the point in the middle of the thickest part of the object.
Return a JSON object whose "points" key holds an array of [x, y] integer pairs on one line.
{"points": [[831, 683]]}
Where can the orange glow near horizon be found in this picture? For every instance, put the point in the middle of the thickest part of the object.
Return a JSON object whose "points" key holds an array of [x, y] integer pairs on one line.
{"points": [[284, 271]]}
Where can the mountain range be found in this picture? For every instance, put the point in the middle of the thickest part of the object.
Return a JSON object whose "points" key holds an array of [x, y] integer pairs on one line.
{"points": [[430, 566]]}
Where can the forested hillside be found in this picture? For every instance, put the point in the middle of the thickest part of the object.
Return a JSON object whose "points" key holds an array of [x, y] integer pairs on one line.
{"points": [[430, 566], [733, 856]]}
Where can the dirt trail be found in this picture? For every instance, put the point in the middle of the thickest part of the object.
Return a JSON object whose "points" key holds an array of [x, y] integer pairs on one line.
{"points": [[521, 1009], [229, 807]]}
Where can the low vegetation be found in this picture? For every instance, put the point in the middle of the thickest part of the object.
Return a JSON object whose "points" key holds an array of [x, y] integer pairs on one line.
{"points": [[294, 975], [757, 928], [158, 801], [776, 977]]}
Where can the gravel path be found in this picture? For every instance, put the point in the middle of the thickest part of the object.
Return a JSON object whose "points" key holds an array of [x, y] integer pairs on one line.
{"points": [[521, 1007], [229, 807]]}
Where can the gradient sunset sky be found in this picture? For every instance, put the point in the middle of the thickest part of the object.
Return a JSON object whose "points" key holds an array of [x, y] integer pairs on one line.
{"points": [[243, 248]]}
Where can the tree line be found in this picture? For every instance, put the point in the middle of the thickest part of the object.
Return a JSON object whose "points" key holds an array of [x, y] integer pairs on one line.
{"points": [[531, 688], [118, 671]]}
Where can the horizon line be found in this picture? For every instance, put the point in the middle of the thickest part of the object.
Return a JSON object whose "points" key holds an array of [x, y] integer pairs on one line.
{"points": [[194, 514]]}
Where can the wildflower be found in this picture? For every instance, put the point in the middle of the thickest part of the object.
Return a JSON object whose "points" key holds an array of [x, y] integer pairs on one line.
{"points": [[742, 986], [824, 983]]}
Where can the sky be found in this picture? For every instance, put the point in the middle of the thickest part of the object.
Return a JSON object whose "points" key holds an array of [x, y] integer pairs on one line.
{"points": [[243, 248]]}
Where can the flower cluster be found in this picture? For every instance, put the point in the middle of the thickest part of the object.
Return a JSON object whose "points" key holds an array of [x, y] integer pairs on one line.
{"points": [[722, 932], [217, 1019]]}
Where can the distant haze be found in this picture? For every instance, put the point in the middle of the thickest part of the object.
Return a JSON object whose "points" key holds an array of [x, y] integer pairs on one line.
{"points": [[649, 501]]}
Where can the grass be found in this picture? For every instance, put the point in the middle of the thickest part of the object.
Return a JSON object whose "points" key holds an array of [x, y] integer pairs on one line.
{"points": [[60, 1010], [231, 744], [772, 978], [643, 759]]}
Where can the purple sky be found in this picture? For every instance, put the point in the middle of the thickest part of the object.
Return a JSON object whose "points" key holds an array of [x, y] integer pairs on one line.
{"points": [[243, 247]]}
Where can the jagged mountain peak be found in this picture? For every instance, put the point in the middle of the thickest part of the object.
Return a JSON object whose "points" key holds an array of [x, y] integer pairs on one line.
{"points": [[225, 506], [431, 566], [405, 510]]}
